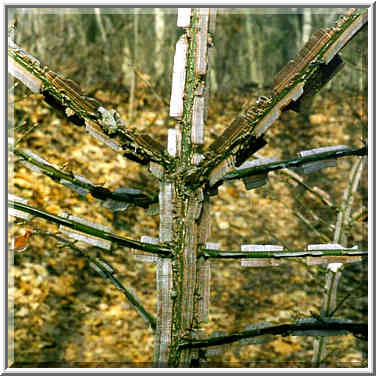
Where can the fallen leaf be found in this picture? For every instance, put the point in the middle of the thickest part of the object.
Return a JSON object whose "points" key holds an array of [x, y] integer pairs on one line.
{"points": [[19, 244]]}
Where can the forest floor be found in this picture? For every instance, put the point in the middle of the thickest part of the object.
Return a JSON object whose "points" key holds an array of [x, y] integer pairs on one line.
{"points": [[66, 315]]}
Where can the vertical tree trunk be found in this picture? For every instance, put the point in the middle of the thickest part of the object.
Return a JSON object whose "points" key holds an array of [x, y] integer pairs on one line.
{"points": [[184, 212], [134, 67], [254, 52], [159, 27], [102, 29], [212, 79], [298, 27], [100, 24], [307, 25], [39, 31]]}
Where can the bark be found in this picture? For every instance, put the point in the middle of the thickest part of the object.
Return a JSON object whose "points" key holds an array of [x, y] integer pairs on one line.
{"points": [[159, 25], [185, 212], [255, 74]]}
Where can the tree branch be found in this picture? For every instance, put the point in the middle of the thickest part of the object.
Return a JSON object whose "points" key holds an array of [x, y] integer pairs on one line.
{"points": [[346, 206], [314, 191], [101, 193], [305, 327], [240, 139], [162, 251], [106, 271], [218, 254], [67, 97], [296, 162]]}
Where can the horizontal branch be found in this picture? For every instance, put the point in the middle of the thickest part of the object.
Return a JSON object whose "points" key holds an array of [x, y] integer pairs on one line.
{"points": [[217, 254], [332, 325], [296, 162], [107, 272], [99, 192], [162, 251], [66, 96]]}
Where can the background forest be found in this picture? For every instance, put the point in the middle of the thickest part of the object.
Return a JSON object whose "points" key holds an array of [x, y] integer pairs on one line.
{"points": [[67, 315]]}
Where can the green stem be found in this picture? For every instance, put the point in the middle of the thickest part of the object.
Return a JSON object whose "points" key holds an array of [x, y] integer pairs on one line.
{"points": [[216, 254]]}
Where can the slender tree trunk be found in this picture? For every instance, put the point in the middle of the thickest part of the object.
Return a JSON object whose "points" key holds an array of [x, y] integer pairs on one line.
{"points": [[159, 27], [297, 27], [254, 52], [100, 24], [307, 25], [134, 67], [333, 276]]}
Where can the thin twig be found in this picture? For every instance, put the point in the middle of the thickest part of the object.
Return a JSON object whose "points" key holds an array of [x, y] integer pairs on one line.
{"points": [[31, 129], [299, 180], [305, 221], [106, 274]]}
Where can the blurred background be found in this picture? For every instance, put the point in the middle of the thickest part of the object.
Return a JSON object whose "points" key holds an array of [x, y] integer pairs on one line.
{"points": [[103, 46], [65, 314]]}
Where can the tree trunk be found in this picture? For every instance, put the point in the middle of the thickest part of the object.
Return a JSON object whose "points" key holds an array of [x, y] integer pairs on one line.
{"points": [[134, 67], [307, 25], [184, 212], [159, 25], [254, 52]]}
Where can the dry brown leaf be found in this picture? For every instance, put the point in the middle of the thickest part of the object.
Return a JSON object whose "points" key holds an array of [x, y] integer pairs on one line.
{"points": [[19, 244]]}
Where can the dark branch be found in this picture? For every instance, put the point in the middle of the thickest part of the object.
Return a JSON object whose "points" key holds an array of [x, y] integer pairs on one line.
{"points": [[156, 249], [315, 83], [139, 199], [329, 327], [297, 162]]}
